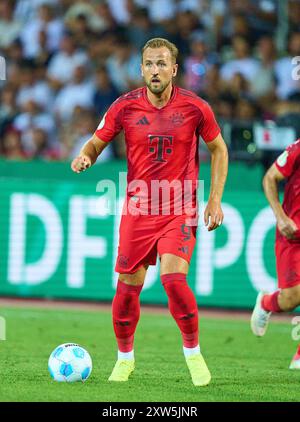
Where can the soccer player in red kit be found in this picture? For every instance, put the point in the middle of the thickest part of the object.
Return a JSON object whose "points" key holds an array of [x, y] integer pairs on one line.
{"points": [[162, 124], [287, 247]]}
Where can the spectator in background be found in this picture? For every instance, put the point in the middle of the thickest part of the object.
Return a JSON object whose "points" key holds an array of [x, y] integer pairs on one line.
{"points": [[105, 92], [33, 89], [8, 107], [27, 10], [41, 147], [237, 25], [98, 15], [294, 15], [197, 64], [161, 10], [246, 109], [224, 107], [14, 54], [10, 27], [124, 67], [260, 14], [81, 32], [79, 92], [64, 62], [214, 86], [186, 24], [11, 145], [141, 28], [47, 22], [242, 62], [238, 87], [263, 85], [286, 85], [101, 48], [32, 117]]}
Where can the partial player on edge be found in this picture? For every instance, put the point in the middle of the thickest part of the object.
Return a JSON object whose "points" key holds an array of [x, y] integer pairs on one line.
{"points": [[287, 245]]}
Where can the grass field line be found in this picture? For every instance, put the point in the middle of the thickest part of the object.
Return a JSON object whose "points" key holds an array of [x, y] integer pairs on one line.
{"points": [[42, 304]]}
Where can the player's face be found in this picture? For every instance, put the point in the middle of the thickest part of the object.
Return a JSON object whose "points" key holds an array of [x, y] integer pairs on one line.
{"points": [[158, 69]]}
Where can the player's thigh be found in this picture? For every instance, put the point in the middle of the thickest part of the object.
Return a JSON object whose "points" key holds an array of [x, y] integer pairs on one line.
{"points": [[170, 263], [291, 296], [135, 279]]}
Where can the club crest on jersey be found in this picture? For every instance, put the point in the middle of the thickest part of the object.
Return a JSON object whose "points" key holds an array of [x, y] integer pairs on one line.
{"points": [[282, 159], [177, 119]]}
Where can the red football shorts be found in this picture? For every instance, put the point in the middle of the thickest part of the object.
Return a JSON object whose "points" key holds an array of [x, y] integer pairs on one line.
{"points": [[287, 262], [142, 237]]}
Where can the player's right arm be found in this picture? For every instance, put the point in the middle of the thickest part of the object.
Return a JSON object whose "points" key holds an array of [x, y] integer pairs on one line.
{"points": [[88, 154], [285, 225]]}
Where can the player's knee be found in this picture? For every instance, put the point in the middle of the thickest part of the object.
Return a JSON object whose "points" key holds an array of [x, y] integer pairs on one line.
{"points": [[289, 300], [131, 279]]}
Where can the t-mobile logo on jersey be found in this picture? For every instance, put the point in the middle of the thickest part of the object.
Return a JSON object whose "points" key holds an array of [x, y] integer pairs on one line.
{"points": [[160, 145]]}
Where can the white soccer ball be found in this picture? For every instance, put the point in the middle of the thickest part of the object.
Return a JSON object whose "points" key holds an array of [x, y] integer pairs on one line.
{"points": [[70, 362]]}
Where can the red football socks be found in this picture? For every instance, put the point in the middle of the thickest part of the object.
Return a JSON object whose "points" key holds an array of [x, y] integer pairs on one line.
{"points": [[126, 314], [183, 307], [270, 302]]}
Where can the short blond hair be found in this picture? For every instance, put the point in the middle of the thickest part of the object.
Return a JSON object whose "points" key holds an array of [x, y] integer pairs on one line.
{"points": [[162, 42]]}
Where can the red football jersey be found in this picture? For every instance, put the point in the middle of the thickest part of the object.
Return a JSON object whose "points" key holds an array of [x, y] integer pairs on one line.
{"points": [[162, 144], [288, 163]]}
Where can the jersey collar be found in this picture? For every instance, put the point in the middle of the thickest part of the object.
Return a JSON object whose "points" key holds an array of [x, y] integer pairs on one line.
{"points": [[173, 96]]}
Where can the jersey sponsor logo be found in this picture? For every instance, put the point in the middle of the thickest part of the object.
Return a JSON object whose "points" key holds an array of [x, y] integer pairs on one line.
{"points": [[160, 146], [143, 121], [177, 119], [282, 159]]}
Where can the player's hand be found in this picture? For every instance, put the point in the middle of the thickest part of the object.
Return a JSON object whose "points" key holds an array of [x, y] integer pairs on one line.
{"points": [[213, 215], [81, 163], [287, 227]]}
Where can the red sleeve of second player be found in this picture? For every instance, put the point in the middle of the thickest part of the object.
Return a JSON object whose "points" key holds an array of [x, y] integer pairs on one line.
{"points": [[111, 123], [208, 127], [285, 162]]}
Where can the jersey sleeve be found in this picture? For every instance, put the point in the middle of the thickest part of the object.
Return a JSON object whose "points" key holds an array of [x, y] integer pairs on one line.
{"points": [[286, 161], [208, 127], [111, 123]]}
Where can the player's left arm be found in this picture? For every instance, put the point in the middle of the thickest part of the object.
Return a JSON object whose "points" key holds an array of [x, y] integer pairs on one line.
{"points": [[213, 215]]}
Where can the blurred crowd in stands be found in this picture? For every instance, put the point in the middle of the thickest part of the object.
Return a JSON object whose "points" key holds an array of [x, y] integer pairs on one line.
{"points": [[68, 60]]}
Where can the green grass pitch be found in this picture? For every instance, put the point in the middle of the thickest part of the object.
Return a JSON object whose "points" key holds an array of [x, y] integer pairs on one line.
{"points": [[243, 367]]}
